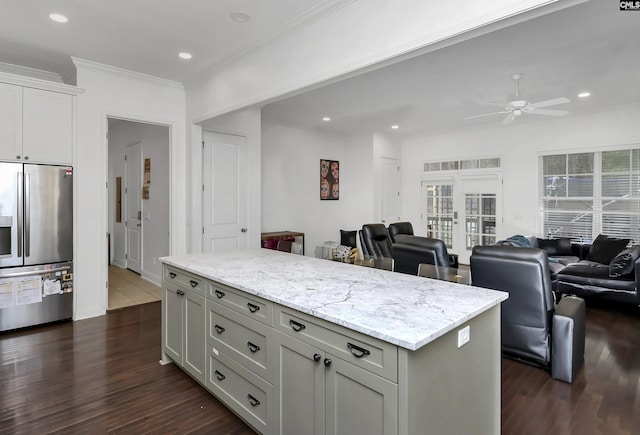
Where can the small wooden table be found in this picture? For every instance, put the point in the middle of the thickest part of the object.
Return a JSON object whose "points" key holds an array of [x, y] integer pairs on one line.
{"points": [[277, 235]]}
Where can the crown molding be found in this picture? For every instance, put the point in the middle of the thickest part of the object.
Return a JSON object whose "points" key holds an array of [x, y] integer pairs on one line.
{"points": [[121, 72], [30, 82], [30, 72]]}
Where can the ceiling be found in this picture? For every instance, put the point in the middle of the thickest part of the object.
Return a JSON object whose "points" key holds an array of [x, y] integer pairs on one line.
{"points": [[144, 35], [591, 46]]}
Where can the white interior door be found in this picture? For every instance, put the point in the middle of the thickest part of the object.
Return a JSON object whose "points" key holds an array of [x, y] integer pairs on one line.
{"points": [[389, 190], [224, 192], [133, 192]]}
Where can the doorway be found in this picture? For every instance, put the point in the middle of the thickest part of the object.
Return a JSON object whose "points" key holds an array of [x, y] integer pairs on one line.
{"points": [[389, 190], [138, 197], [463, 210]]}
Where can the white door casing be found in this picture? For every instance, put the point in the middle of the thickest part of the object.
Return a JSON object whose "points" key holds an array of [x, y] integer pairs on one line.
{"points": [[133, 190], [224, 192], [389, 190]]}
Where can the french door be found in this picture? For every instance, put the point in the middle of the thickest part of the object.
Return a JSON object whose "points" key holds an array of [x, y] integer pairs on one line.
{"points": [[463, 210]]}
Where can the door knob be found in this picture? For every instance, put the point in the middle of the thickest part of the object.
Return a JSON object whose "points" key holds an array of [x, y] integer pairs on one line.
{"points": [[243, 230]]}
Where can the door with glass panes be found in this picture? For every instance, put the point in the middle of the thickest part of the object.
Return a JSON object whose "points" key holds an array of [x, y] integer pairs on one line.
{"points": [[462, 210]]}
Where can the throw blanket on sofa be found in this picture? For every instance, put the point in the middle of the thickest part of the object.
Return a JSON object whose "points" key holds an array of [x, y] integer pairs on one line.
{"points": [[518, 240]]}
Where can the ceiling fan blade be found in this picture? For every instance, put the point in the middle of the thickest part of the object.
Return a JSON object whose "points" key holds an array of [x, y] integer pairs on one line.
{"points": [[553, 102], [508, 119], [487, 114], [549, 112]]}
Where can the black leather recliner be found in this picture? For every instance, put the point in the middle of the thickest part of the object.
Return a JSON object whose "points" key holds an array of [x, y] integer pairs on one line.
{"points": [[534, 329], [397, 228], [409, 251], [375, 241]]}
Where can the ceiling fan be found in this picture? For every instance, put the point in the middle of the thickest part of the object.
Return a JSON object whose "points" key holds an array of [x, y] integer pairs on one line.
{"points": [[519, 106]]}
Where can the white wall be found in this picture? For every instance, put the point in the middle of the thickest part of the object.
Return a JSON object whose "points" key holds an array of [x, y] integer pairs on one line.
{"points": [[110, 92], [519, 145], [291, 183], [154, 142]]}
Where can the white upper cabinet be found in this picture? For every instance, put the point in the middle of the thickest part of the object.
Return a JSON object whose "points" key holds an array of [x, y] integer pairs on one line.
{"points": [[10, 122], [47, 127], [37, 120]]}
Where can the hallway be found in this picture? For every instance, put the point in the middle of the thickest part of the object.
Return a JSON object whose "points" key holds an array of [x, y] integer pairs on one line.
{"points": [[127, 288]]}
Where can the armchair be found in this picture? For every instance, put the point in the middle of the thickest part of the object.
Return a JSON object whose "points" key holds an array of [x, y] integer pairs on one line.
{"points": [[400, 228], [375, 240], [534, 329], [409, 251]]}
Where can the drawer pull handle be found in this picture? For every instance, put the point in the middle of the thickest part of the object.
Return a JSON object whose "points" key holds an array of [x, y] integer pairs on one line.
{"points": [[296, 326], [219, 329], [194, 284], [252, 307], [220, 376], [252, 347], [172, 275], [327, 362], [252, 400], [357, 351], [317, 357], [219, 294]]}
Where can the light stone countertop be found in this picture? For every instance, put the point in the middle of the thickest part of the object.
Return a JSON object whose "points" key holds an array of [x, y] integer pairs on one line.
{"points": [[404, 310]]}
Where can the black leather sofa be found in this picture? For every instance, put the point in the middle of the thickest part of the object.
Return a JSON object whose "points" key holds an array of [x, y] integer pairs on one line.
{"points": [[534, 329], [607, 270]]}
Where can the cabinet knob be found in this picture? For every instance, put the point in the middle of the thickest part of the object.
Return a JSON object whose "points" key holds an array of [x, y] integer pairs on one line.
{"points": [[26, 157], [327, 362], [18, 157], [243, 230], [316, 357]]}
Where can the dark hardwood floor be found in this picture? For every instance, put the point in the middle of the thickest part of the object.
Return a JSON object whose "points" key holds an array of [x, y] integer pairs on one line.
{"points": [[102, 375]]}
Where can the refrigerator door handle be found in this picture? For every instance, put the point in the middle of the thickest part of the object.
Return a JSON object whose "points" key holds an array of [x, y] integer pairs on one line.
{"points": [[33, 272], [27, 216], [19, 196]]}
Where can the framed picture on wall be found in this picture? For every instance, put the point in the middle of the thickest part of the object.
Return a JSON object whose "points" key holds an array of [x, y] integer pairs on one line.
{"points": [[329, 179]]}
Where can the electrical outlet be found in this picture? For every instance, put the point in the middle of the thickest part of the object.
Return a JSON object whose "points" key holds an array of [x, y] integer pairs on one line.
{"points": [[464, 335]]}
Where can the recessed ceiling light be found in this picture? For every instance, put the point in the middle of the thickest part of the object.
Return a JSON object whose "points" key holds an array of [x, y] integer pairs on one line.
{"points": [[241, 17], [395, 126], [58, 18], [584, 94], [326, 119], [185, 55]]}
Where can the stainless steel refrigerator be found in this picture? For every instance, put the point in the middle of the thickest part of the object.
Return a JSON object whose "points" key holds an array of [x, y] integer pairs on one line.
{"points": [[36, 244]]}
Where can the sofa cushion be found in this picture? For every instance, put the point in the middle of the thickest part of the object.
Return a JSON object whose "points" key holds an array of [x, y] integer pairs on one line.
{"points": [[592, 275], [624, 263], [604, 249], [555, 247]]}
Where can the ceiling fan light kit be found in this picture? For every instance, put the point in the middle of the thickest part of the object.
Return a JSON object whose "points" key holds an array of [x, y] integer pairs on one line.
{"points": [[519, 106]]}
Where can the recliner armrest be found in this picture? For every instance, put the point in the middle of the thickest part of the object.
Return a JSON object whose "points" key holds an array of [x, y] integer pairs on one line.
{"points": [[568, 338]]}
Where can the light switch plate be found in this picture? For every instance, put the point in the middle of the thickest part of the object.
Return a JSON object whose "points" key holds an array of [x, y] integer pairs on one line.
{"points": [[464, 335]]}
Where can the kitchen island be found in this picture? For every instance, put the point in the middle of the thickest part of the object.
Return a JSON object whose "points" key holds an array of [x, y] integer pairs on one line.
{"points": [[294, 344]]}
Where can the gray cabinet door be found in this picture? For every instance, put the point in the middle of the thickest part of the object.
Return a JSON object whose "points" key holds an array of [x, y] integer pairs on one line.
{"points": [[194, 335], [359, 402], [301, 380], [172, 323]]}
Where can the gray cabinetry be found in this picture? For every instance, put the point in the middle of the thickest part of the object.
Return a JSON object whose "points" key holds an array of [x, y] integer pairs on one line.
{"points": [[322, 393], [183, 319]]}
